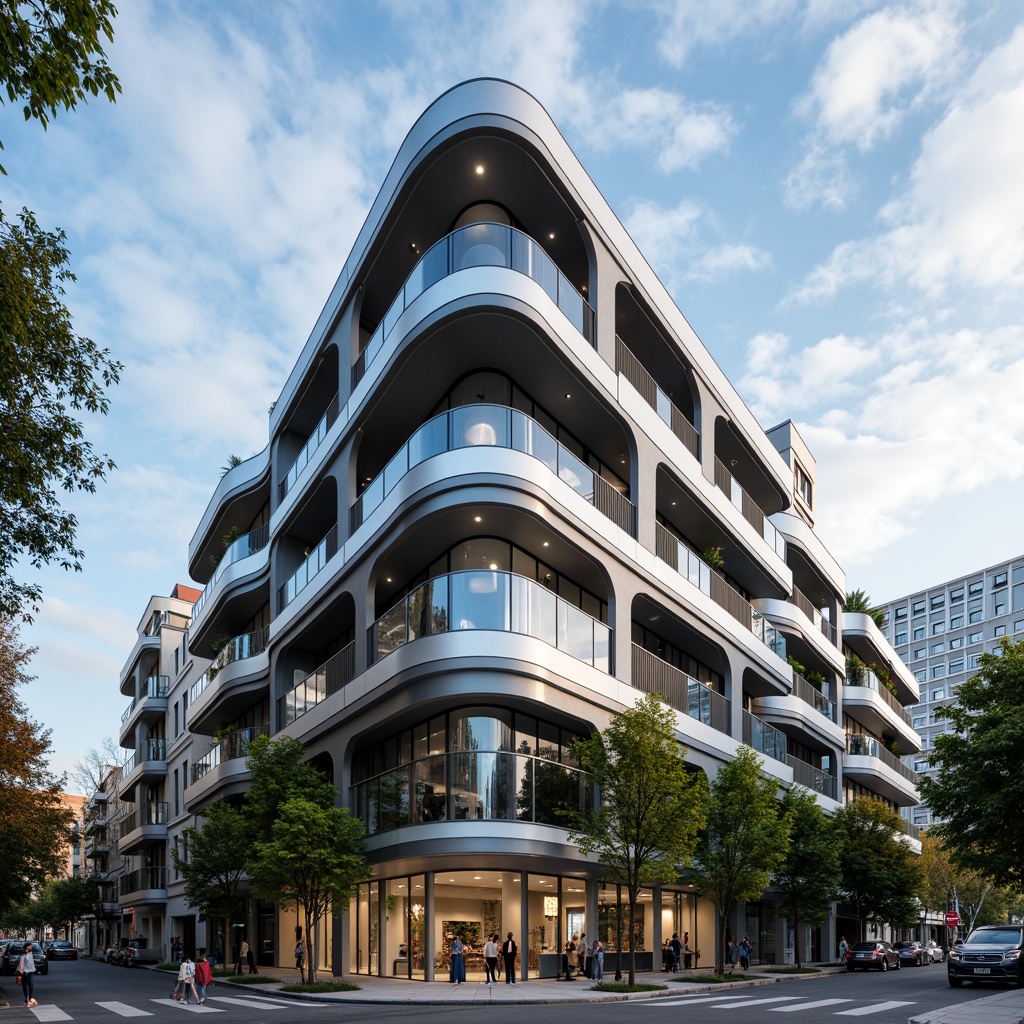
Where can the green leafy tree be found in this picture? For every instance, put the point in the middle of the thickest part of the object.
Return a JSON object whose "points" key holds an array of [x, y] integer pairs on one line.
{"points": [[882, 878], [978, 787], [858, 601], [212, 862], [51, 57], [651, 806], [745, 840], [947, 885], [808, 879], [68, 900], [36, 827], [290, 802]]}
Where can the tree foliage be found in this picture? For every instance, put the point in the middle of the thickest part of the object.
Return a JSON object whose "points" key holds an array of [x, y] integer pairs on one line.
{"points": [[67, 900], [36, 827], [947, 885], [745, 840], [51, 57], [978, 787], [651, 807], [808, 878], [858, 601], [882, 878], [306, 849]]}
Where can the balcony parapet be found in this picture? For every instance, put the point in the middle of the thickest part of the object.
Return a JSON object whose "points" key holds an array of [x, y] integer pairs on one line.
{"points": [[748, 508], [861, 675], [650, 674], [810, 694], [320, 684], [241, 547], [804, 603], [313, 442], [498, 426], [813, 778], [868, 746], [310, 567], [481, 245], [764, 738], [239, 648], [153, 688], [234, 745]]}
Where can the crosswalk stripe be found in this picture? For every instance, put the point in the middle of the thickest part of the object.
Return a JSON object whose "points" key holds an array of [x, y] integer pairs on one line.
{"points": [[862, 1011], [755, 1002], [252, 1004], [809, 1006], [49, 1013], [124, 1010], [189, 1007]]}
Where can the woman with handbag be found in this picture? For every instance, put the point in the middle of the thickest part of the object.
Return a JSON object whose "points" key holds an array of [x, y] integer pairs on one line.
{"points": [[27, 975]]}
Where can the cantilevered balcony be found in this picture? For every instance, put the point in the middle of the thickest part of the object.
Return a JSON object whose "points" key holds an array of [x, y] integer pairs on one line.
{"points": [[869, 701], [222, 770], [879, 770], [310, 567], [228, 685], [321, 683], [149, 706], [241, 547], [764, 738], [320, 431], [748, 508], [480, 245], [651, 674], [147, 826], [472, 426], [149, 762], [145, 885], [814, 778]]}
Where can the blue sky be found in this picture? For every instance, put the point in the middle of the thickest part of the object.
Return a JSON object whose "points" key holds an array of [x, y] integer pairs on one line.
{"points": [[832, 191]]}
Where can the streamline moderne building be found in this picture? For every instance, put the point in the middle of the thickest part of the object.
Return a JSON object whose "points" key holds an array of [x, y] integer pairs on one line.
{"points": [[941, 633], [506, 491]]}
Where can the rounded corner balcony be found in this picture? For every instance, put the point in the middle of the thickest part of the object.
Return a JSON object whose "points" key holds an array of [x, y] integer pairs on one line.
{"points": [[867, 700], [796, 614], [492, 600], [146, 826], [238, 673], [222, 770], [803, 711], [497, 426], [868, 762], [865, 639], [148, 763], [244, 562], [481, 244], [148, 707], [240, 494]]}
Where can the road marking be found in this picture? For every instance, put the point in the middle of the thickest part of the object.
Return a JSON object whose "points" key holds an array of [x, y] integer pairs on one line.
{"points": [[640, 1004], [124, 1010], [50, 1013], [755, 1002], [189, 1007], [252, 1004], [809, 1006], [862, 1011]]}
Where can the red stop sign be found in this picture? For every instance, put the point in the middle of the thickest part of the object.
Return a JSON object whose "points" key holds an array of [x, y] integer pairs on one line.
{"points": [[952, 918]]}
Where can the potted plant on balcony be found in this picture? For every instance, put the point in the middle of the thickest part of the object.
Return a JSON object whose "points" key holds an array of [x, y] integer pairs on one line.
{"points": [[714, 557]]}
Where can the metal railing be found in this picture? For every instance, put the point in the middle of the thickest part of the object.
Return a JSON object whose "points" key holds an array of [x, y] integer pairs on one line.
{"points": [[471, 426], [764, 738], [483, 244], [238, 648], [810, 694], [233, 745], [493, 600], [320, 684], [144, 878], [748, 508], [241, 547], [634, 371], [307, 451], [152, 686], [813, 778], [651, 674], [803, 602], [870, 747], [150, 814], [861, 675], [311, 565]]}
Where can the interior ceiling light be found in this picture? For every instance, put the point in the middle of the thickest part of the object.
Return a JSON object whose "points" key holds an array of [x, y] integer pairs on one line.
{"points": [[551, 235], [479, 168], [568, 394], [414, 248], [478, 519]]}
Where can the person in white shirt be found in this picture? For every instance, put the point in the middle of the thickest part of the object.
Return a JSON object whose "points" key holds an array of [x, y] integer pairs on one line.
{"points": [[490, 959], [186, 980]]}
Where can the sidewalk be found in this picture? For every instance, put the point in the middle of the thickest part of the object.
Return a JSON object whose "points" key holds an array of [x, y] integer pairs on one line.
{"points": [[1001, 1008]]}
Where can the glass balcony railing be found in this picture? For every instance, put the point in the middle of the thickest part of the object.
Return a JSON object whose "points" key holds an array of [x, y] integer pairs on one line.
{"points": [[748, 508], [497, 426], [813, 778], [653, 675], [634, 371], [152, 686], [805, 605], [810, 694], [153, 749], [868, 746], [481, 245], [311, 565], [472, 786], [764, 738], [239, 648], [861, 675], [241, 547], [150, 814], [309, 448], [320, 684], [233, 745], [495, 600]]}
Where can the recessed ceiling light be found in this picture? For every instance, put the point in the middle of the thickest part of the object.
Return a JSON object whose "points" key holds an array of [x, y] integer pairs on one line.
{"points": [[479, 168], [551, 235], [476, 878], [493, 566], [545, 543], [568, 394], [388, 579], [478, 519]]}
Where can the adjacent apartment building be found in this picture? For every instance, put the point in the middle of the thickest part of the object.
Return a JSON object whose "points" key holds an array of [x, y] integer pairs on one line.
{"points": [[941, 632], [506, 490]]}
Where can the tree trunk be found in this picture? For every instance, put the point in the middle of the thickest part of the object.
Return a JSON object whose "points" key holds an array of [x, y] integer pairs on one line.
{"points": [[796, 939], [723, 937], [310, 965], [632, 932]]}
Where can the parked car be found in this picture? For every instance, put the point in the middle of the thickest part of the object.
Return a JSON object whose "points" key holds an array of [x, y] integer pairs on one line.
{"points": [[936, 952], [61, 950], [913, 952], [14, 953], [992, 952], [875, 953]]}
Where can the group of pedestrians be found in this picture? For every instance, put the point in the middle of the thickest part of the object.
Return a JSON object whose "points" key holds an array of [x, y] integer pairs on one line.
{"points": [[738, 952], [581, 959], [194, 978]]}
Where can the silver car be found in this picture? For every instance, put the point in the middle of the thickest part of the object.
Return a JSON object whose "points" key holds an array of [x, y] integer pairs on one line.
{"points": [[936, 952]]}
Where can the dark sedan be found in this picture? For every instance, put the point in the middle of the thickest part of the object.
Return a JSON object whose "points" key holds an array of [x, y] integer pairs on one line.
{"points": [[14, 952], [61, 951], [877, 954], [913, 952]]}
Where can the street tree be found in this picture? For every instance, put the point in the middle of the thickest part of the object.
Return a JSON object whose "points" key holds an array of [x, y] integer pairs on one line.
{"points": [[51, 58], [212, 861], [290, 801], [651, 806], [314, 858], [949, 886], [882, 879], [808, 878], [68, 900], [36, 827], [745, 840], [978, 788]]}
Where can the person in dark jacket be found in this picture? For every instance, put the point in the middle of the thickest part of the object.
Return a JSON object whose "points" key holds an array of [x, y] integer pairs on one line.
{"points": [[509, 949]]}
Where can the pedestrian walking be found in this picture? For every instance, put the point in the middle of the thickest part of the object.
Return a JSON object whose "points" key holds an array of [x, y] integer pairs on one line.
{"points": [[508, 953], [27, 975], [300, 955], [186, 981], [598, 970], [250, 958], [844, 948], [745, 953], [203, 976]]}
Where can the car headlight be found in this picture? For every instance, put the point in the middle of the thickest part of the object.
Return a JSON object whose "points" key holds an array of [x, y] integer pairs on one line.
{"points": [[1013, 954], [954, 954]]}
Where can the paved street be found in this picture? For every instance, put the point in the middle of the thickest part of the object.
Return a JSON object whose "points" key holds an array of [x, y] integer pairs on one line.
{"points": [[89, 991]]}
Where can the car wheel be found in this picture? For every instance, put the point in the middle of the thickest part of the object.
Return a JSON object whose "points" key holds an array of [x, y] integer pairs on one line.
{"points": [[884, 966], [955, 982]]}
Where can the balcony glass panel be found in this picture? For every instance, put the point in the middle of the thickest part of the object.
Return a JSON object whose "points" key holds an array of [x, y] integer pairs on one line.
{"points": [[533, 611], [763, 738], [238, 549], [575, 632], [429, 440], [391, 631], [481, 245], [431, 789], [395, 470]]}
